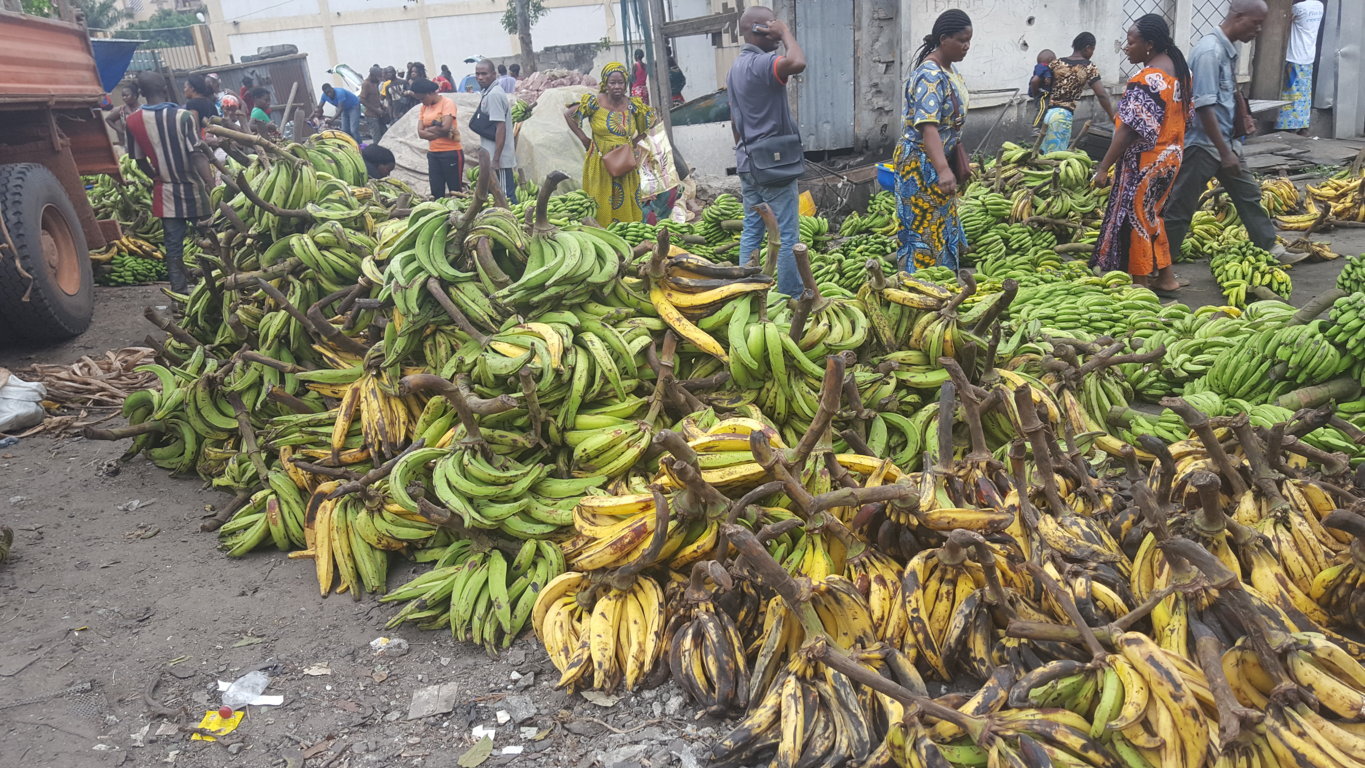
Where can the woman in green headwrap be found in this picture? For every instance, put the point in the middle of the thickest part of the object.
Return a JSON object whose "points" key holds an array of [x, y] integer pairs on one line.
{"points": [[615, 119]]}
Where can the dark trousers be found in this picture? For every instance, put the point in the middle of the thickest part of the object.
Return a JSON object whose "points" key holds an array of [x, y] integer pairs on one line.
{"points": [[176, 229], [377, 126], [445, 171], [1196, 168]]}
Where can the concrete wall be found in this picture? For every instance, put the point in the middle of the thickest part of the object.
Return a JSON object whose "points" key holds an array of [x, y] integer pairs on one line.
{"points": [[392, 32]]}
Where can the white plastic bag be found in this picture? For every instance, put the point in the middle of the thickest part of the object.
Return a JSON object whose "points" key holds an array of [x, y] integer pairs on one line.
{"points": [[658, 174], [19, 402]]}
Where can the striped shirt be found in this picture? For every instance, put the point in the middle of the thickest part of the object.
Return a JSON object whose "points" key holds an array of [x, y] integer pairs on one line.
{"points": [[167, 137]]}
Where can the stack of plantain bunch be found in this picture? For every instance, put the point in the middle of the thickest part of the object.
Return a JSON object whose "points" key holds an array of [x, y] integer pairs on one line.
{"points": [[127, 200], [129, 260], [820, 593], [810, 512], [1339, 198], [1049, 190]]}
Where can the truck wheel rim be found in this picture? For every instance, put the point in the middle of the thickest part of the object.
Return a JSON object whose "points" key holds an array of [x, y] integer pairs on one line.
{"points": [[59, 251]]}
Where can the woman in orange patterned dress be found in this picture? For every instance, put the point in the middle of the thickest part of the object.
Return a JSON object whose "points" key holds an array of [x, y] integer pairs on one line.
{"points": [[1149, 138]]}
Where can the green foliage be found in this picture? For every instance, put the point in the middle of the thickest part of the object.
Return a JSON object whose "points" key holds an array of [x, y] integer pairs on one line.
{"points": [[103, 14], [535, 8], [165, 29]]}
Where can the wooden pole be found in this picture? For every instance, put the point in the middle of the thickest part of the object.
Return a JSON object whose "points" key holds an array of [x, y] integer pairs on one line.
{"points": [[289, 107], [662, 91]]}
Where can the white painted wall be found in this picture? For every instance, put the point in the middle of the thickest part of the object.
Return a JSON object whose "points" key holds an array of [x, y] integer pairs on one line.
{"points": [[360, 45], [456, 38], [363, 32]]}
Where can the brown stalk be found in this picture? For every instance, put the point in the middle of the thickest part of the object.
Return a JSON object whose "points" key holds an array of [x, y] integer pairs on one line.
{"points": [[737, 508], [625, 575], [802, 255], [1209, 519], [533, 409], [1008, 290], [297, 405], [461, 321], [1068, 603], [801, 310], [483, 252], [273, 272], [777, 467], [772, 575], [363, 483], [822, 651], [253, 356], [248, 433], [824, 414], [1208, 652], [339, 473], [423, 381], [1262, 475], [124, 432], [902, 492], [164, 322], [1042, 452], [1197, 421], [330, 332]]}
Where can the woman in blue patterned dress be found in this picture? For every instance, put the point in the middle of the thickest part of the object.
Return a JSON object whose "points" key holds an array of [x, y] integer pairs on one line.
{"points": [[935, 110]]}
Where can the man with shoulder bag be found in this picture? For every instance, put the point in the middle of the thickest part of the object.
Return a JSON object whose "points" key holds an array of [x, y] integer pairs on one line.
{"points": [[492, 121], [768, 153]]}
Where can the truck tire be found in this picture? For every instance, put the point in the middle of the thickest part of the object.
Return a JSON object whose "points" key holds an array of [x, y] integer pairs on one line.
{"points": [[52, 266]]}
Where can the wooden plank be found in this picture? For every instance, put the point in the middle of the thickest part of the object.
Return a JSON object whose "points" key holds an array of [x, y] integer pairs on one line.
{"points": [[700, 25]]}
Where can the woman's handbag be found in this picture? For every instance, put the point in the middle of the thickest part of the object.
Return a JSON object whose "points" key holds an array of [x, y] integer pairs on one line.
{"points": [[961, 164], [621, 160], [960, 161]]}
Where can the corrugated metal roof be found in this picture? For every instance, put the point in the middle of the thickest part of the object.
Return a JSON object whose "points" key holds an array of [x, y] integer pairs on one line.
{"points": [[45, 59], [825, 90]]}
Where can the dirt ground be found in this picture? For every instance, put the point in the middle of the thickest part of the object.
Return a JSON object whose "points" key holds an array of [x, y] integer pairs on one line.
{"points": [[117, 617]]}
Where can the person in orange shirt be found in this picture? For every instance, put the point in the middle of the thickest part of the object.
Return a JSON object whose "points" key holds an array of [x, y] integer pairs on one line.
{"points": [[438, 124]]}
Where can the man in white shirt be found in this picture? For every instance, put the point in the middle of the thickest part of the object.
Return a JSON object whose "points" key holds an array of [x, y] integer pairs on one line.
{"points": [[1300, 56], [493, 122]]}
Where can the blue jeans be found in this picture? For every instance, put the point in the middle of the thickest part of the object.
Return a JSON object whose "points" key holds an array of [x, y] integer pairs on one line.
{"points": [[350, 121], [782, 199]]}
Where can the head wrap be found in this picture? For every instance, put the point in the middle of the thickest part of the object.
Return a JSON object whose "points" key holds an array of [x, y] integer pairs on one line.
{"points": [[614, 66]]}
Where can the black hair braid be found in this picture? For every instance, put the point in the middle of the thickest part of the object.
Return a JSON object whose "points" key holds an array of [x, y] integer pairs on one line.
{"points": [[948, 23], [1154, 30], [1083, 40]]}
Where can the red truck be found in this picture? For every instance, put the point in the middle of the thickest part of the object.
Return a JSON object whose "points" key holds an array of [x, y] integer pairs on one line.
{"points": [[51, 132]]}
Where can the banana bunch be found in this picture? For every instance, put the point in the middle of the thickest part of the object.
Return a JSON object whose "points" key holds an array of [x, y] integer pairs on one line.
{"points": [[1346, 328], [814, 231], [1074, 168], [881, 218], [520, 111], [565, 266], [340, 553], [599, 635], [1280, 196], [1244, 266], [635, 232], [1352, 276], [1337, 587], [841, 272], [485, 595], [129, 269], [127, 200], [1208, 236], [706, 653], [1340, 196], [1309, 352]]}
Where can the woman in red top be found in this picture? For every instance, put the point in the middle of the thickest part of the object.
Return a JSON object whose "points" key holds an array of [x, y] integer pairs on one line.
{"points": [[639, 81], [445, 81]]}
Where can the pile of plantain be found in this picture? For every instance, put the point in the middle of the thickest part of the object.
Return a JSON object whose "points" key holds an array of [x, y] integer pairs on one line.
{"points": [[911, 526]]}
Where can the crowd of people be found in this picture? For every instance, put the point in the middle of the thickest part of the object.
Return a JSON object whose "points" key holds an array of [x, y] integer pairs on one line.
{"points": [[1177, 124]]}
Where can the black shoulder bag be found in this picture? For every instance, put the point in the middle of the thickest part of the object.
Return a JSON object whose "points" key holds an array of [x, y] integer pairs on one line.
{"points": [[773, 160], [480, 122]]}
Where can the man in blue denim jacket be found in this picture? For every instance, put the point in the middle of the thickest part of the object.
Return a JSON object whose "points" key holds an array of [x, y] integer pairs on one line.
{"points": [[1210, 149]]}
